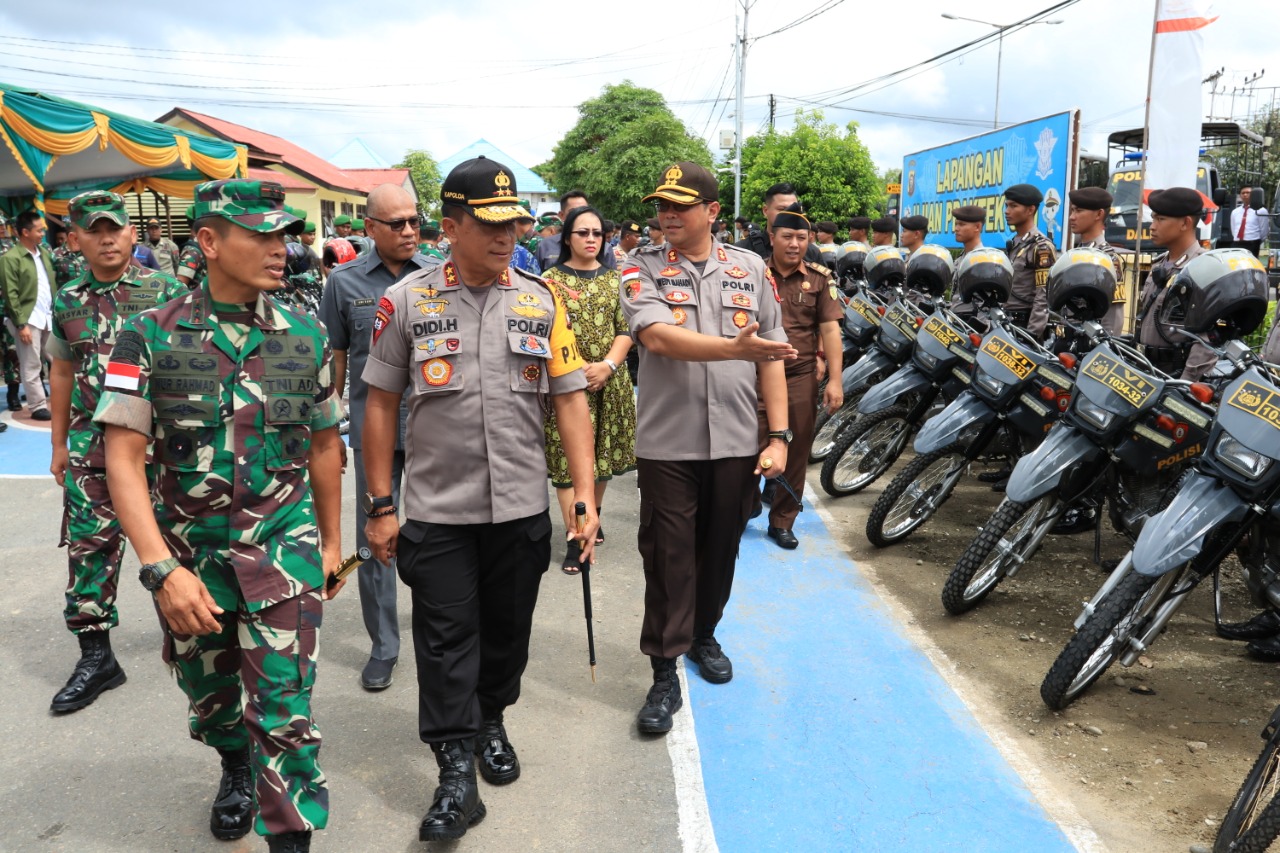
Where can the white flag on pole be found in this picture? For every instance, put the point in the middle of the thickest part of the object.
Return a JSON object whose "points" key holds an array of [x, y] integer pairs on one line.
{"points": [[1177, 105]]}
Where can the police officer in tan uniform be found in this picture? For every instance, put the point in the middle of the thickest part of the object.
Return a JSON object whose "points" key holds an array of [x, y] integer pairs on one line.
{"points": [[969, 222], [480, 346], [707, 318], [1032, 255], [1174, 213], [1086, 217], [811, 315]]}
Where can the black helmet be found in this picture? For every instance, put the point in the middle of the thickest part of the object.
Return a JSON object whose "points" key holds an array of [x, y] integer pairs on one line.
{"points": [[297, 259], [985, 272], [1224, 287], [852, 256], [883, 267], [929, 270], [1083, 283]]}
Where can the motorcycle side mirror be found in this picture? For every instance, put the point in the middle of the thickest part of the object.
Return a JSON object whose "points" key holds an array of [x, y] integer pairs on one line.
{"points": [[1256, 198], [1220, 196]]}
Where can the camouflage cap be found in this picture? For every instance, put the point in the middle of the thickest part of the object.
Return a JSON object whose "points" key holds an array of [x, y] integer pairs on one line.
{"points": [[548, 219], [255, 205], [341, 219], [87, 208], [191, 211]]}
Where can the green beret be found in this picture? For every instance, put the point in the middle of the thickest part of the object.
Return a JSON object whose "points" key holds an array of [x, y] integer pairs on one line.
{"points": [[357, 225], [341, 219], [309, 228], [1024, 194]]}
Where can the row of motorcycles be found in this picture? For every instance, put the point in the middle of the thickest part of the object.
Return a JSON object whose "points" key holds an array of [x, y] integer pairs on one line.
{"points": [[1087, 427]]}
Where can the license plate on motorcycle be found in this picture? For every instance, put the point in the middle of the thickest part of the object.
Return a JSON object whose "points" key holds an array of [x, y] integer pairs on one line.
{"points": [[1118, 377], [1008, 355]]}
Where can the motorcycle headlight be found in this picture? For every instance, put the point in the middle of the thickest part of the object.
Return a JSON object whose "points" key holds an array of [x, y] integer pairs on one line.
{"points": [[928, 362], [1092, 412], [893, 345], [988, 382], [1236, 456]]}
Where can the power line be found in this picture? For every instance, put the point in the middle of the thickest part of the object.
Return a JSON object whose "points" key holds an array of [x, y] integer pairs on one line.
{"points": [[825, 7]]}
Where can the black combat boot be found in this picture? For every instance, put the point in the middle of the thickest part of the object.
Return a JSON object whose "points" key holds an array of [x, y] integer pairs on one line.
{"points": [[499, 764], [232, 813], [711, 659], [290, 842], [664, 698], [457, 806], [15, 405], [96, 671]]}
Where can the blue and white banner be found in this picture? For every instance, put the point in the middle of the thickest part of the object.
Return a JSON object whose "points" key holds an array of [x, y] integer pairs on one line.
{"points": [[977, 170]]}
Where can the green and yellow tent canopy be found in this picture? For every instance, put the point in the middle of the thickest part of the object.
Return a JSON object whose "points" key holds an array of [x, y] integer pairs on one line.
{"points": [[60, 148]]}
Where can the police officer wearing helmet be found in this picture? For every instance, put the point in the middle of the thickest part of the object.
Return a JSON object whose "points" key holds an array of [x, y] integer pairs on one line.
{"points": [[1086, 217], [479, 347], [969, 221], [1032, 255], [914, 229], [811, 315], [1174, 214]]}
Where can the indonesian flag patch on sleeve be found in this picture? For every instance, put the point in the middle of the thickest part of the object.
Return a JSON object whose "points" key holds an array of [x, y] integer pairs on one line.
{"points": [[631, 282], [122, 376]]}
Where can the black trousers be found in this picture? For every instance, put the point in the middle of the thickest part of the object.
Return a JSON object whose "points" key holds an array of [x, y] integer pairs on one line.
{"points": [[692, 515], [474, 588]]}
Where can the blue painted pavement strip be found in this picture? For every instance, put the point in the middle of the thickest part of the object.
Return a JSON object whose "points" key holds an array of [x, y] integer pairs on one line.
{"points": [[836, 732], [24, 451]]}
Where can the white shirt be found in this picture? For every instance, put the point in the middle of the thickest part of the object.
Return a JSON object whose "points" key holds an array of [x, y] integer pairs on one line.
{"points": [[1255, 223], [42, 315]]}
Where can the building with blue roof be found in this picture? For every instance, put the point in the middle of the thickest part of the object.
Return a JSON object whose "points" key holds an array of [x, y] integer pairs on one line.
{"points": [[529, 185]]}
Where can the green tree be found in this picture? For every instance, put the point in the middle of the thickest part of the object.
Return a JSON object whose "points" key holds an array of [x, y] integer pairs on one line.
{"points": [[617, 150], [426, 177], [831, 170], [1248, 164]]}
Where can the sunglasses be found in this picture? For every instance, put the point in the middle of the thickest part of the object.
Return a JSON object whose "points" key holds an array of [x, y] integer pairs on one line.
{"points": [[584, 233], [663, 206], [397, 224]]}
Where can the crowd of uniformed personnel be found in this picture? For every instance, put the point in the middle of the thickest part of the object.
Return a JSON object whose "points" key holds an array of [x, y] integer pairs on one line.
{"points": [[195, 401]]}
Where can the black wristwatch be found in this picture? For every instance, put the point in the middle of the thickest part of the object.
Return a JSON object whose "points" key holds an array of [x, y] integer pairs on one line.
{"points": [[785, 434], [372, 504], [153, 575]]}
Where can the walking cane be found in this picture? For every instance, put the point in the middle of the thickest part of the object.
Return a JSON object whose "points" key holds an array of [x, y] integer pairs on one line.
{"points": [[584, 568]]}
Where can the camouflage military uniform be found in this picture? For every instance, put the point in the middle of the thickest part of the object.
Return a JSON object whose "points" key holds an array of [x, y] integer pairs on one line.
{"points": [[191, 263], [232, 398], [87, 316], [8, 346], [68, 265], [431, 251]]}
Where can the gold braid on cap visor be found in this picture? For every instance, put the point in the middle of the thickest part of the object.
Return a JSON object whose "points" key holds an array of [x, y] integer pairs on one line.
{"points": [[497, 213]]}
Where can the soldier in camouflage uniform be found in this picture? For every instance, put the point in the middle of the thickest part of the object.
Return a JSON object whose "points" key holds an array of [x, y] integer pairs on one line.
{"points": [[8, 347], [68, 261], [88, 314], [237, 390], [192, 268]]}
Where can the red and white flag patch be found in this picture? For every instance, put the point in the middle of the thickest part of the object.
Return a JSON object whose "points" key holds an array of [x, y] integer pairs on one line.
{"points": [[122, 376]]}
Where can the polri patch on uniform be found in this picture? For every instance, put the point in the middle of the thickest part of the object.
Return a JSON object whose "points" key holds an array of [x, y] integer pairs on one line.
{"points": [[437, 372], [380, 322], [679, 315], [631, 282], [741, 300], [721, 255], [534, 346], [740, 319], [531, 373]]}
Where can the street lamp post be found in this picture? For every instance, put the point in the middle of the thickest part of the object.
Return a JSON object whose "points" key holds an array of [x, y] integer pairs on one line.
{"points": [[1000, 28]]}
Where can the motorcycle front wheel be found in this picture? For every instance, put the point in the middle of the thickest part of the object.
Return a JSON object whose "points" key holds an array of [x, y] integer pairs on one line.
{"points": [[1010, 538], [865, 452], [915, 495], [1253, 821]]}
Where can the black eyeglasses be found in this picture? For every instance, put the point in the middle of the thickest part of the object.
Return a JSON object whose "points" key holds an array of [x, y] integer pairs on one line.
{"points": [[663, 206], [396, 224], [585, 233]]}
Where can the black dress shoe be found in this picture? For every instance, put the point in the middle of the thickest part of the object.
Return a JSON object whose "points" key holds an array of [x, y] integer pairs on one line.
{"points": [[1267, 649], [457, 806], [711, 660], [377, 674], [498, 762], [232, 814], [1265, 624], [1074, 521], [290, 842], [784, 538], [96, 671], [41, 415], [663, 700]]}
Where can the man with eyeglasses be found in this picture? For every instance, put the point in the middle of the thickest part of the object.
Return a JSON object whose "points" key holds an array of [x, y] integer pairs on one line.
{"points": [[708, 319], [348, 309]]}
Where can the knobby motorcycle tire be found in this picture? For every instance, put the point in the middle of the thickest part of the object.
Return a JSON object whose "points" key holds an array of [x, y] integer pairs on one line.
{"points": [[848, 414], [895, 491], [1241, 834], [1008, 514], [850, 438]]}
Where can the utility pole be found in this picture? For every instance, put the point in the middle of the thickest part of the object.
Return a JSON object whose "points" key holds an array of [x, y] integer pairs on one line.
{"points": [[737, 117], [1212, 80], [773, 109]]}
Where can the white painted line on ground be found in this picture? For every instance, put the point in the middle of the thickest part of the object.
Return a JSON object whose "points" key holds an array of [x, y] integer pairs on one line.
{"points": [[696, 832], [1059, 807]]}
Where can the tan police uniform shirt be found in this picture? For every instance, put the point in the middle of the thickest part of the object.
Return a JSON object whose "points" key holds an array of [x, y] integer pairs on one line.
{"points": [[809, 298], [692, 410], [1200, 359], [479, 378], [1032, 256]]}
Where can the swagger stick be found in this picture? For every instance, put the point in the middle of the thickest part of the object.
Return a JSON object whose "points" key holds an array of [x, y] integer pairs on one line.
{"points": [[347, 566], [584, 568]]}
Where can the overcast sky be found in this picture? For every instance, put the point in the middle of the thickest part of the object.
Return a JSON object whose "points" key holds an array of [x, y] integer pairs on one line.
{"points": [[441, 75]]}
